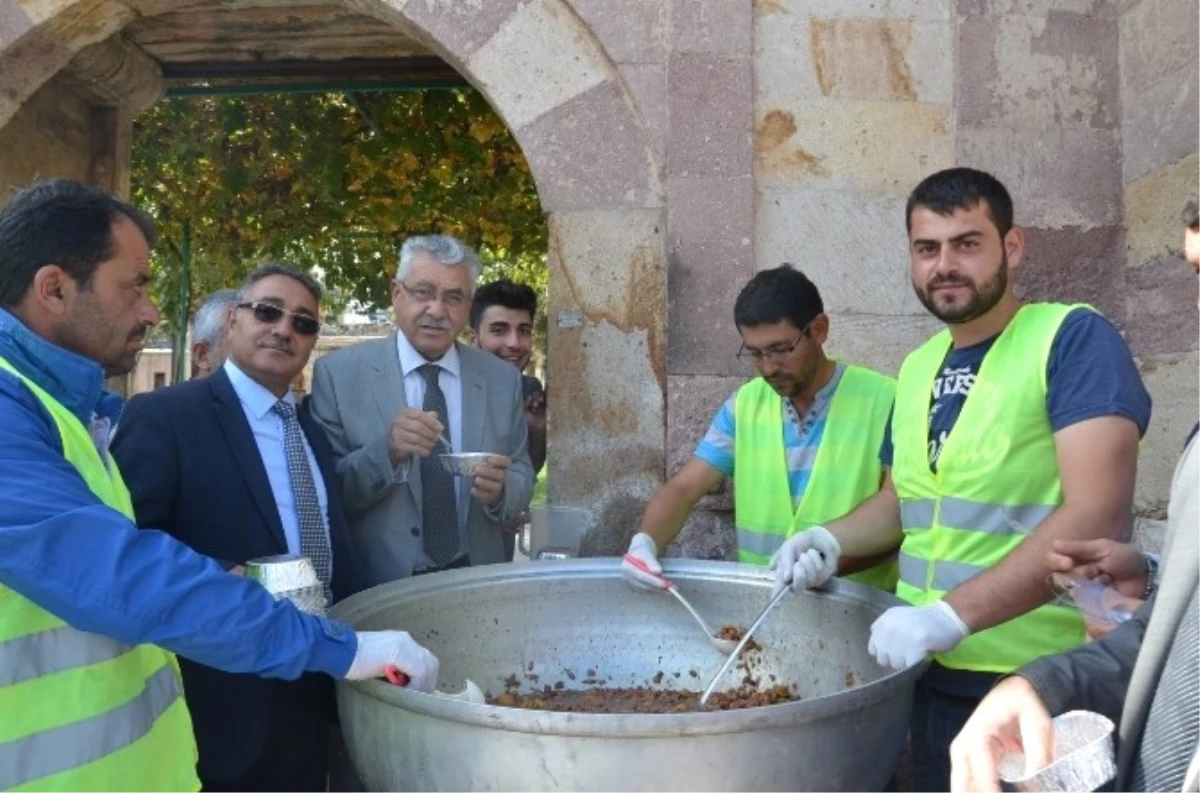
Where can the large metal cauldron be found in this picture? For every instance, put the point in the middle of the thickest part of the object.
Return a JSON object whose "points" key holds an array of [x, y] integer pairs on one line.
{"points": [[557, 621]]}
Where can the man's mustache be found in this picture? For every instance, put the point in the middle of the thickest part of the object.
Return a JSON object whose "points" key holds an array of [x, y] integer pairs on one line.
{"points": [[277, 343], [948, 281]]}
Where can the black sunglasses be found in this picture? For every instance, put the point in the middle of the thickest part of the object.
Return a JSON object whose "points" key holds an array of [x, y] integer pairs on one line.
{"points": [[269, 314]]}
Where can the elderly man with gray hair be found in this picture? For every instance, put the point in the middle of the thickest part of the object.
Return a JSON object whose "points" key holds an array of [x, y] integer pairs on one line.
{"points": [[209, 350], [391, 407]]}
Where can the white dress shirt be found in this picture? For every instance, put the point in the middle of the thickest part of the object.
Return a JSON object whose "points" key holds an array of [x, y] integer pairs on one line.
{"points": [[267, 426], [450, 381]]}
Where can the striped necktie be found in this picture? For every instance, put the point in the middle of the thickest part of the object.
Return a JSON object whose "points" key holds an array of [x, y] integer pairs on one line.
{"points": [[314, 542]]}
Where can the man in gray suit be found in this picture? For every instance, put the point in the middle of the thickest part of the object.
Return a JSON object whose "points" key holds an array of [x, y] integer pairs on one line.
{"points": [[1143, 675], [384, 403]]}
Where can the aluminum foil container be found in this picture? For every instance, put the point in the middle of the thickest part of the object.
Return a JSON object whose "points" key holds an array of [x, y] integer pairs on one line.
{"points": [[463, 464], [292, 577], [1084, 758]]}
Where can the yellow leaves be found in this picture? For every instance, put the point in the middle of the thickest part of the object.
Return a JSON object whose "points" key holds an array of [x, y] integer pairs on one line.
{"points": [[484, 129], [297, 178]]}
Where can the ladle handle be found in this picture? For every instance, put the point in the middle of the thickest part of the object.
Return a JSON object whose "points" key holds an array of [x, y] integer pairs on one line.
{"points": [[639, 564], [395, 676], [733, 656]]}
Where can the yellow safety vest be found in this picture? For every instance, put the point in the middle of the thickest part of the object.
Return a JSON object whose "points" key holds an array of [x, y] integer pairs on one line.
{"points": [[998, 467], [81, 711], [845, 473]]}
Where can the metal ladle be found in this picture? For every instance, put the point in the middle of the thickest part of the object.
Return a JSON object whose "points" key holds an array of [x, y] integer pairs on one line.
{"points": [[740, 646], [724, 646]]}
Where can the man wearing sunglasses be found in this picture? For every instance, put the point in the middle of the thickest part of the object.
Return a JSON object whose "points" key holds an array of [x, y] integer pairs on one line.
{"points": [[229, 465], [800, 440], [391, 406]]}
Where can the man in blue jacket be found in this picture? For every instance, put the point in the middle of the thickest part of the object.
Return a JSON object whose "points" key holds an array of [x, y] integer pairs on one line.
{"points": [[81, 588]]}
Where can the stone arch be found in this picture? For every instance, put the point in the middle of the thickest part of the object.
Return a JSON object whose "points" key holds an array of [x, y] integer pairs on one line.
{"points": [[598, 175]]}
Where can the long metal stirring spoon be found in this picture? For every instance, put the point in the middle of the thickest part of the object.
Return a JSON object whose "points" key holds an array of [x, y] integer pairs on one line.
{"points": [[740, 646]]}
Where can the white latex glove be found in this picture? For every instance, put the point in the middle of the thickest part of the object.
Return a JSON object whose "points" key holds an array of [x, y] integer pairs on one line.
{"points": [[642, 547], [806, 560], [377, 649], [904, 635]]}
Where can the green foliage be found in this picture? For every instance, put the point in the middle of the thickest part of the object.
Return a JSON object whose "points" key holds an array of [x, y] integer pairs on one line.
{"points": [[302, 178]]}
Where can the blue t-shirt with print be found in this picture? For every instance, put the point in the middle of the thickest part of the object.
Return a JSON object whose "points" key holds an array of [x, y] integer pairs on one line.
{"points": [[1090, 373]]}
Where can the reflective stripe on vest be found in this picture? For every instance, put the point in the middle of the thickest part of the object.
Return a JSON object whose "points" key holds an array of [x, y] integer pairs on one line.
{"points": [[80, 710], [78, 743], [959, 513], [997, 480], [55, 650], [845, 472]]}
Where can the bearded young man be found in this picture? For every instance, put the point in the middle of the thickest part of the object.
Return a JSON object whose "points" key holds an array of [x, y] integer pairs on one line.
{"points": [[1016, 426]]}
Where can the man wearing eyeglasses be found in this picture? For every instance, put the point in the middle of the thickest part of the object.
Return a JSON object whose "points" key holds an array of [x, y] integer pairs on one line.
{"points": [[800, 440], [230, 466], [392, 406]]}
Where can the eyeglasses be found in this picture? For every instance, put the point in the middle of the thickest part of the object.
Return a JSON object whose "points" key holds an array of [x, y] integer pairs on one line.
{"points": [[269, 314], [427, 294], [774, 353]]}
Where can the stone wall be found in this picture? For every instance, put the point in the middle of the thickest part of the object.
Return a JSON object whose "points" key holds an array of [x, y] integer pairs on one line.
{"points": [[50, 135], [680, 145], [1158, 56]]}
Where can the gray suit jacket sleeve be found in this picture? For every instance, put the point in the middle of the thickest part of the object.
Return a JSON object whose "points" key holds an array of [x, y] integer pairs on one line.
{"points": [[1094, 676], [518, 483], [367, 472]]}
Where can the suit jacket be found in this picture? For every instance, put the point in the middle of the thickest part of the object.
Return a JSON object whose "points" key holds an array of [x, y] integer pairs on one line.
{"points": [[1119, 674], [356, 393], [192, 466]]}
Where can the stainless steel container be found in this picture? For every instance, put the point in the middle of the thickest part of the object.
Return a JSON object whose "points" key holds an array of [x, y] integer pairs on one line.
{"points": [[290, 576], [558, 530], [576, 620], [463, 464]]}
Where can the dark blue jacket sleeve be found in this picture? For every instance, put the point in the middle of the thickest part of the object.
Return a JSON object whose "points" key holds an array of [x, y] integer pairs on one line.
{"points": [[63, 549]]}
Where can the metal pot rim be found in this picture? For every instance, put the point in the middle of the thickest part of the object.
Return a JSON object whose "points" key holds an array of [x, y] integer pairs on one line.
{"points": [[623, 725]]}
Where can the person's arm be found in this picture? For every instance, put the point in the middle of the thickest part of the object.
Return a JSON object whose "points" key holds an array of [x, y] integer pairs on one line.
{"points": [[1093, 676], [1098, 408], [873, 528], [518, 479], [671, 505], [87, 564], [367, 472], [1097, 465]]}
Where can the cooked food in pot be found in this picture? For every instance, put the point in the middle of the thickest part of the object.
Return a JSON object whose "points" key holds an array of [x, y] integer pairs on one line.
{"points": [[640, 699]]}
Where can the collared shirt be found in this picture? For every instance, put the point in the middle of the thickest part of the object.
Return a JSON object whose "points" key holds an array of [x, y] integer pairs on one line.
{"points": [[267, 426], [801, 436], [88, 564], [450, 381]]}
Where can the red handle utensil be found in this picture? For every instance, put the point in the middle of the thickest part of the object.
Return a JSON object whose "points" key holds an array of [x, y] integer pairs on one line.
{"points": [[639, 564], [395, 676]]}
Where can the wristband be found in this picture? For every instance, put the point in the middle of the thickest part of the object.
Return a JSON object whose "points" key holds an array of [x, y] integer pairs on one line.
{"points": [[1151, 574]]}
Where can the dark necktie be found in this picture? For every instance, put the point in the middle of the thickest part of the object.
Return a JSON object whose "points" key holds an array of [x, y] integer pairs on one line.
{"points": [[1173, 723], [439, 509], [313, 541]]}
